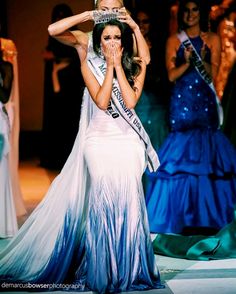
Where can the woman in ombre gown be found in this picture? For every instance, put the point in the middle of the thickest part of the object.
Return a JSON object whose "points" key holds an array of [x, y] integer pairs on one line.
{"points": [[91, 229]]}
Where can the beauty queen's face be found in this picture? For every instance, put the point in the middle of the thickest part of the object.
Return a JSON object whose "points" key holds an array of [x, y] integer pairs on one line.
{"points": [[111, 36], [110, 4], [191, 15]]}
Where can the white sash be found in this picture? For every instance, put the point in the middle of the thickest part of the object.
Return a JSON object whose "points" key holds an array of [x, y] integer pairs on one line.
{"points": [[118, 108], [199, 66]]}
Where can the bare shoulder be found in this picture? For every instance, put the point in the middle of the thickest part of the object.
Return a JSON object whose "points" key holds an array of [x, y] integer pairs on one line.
{"points": [[213, 36], [173, 42], [173, 39], [210, 38]]}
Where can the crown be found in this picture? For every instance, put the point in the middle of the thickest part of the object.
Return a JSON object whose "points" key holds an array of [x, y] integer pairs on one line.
{"points": [[105, 16]]}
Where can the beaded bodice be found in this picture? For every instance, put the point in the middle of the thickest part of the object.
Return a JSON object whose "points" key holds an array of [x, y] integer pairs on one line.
{"points": [[193, 103]]}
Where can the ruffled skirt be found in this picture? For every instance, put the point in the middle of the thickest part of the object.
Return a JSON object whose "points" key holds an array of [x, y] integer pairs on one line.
{"points": [[195, 185]]}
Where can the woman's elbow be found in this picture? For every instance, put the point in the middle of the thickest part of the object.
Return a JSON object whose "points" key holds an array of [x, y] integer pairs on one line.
{"points": [[132, 100], [131, 104], [102, 106], [51, 30], [171, 77], [147, 59]]}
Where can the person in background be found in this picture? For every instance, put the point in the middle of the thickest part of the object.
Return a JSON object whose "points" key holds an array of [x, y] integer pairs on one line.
{"points": [[217, 10], [229, 101], [194, 189], [9, 53], [153, 103], [173, 24], [63, 90], [8, 220], [226, 31]]}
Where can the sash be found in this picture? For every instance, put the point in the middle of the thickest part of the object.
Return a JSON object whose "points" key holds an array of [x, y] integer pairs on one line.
{"points": [[199, 66], [117, 108]]}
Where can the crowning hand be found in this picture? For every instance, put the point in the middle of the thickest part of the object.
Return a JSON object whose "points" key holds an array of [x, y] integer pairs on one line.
{"points": [[125, 17]]}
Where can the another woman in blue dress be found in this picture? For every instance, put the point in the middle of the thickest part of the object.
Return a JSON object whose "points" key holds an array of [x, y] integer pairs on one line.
{"points": [[194, 189], [91, 231]]}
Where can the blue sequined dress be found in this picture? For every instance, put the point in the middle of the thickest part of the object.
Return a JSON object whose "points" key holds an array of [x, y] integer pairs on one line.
{"points": [[195, 185]]}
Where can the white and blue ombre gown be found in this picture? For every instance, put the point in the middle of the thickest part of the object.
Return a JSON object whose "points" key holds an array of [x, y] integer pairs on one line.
{"points": [[91, 229]]}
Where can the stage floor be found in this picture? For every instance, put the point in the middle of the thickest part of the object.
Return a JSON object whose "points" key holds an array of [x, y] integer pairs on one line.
{"points": [[179, 275]]}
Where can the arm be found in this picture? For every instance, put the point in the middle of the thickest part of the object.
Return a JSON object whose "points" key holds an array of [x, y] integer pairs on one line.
{"points": [[141, 45], [5, 88], [171, 48], [60, 29], [212, 41], [55, 79], [130, 94], [101, 95]]}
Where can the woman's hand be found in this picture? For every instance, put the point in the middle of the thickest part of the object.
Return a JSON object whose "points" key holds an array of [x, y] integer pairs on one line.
{"points": [[113, 55], [203, 52], [55, 80], [125, 17], [108, 54], [204, 46], [141, 48], [117, 55], [188, 52]]}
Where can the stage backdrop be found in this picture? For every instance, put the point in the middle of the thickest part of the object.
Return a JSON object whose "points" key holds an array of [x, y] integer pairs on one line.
{"points": [[27, 23]]}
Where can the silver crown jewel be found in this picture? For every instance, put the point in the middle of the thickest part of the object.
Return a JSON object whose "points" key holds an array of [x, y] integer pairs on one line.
{"points": [[105, 16]]}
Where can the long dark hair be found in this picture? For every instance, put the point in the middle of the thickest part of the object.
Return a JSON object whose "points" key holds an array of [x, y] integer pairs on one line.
{"points": [[130, 66], [203, 11]]}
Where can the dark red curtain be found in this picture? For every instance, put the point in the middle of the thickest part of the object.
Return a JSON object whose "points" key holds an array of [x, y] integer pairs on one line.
{"points": [[3, 19]]}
